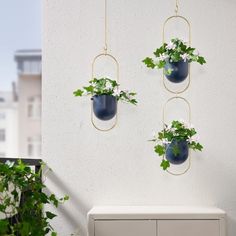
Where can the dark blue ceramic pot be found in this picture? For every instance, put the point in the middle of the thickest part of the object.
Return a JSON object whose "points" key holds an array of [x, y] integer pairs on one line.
{"points": [[182, 156], [104, 106], [179, 71]]}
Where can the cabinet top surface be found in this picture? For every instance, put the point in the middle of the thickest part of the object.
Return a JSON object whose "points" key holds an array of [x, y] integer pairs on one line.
{"points": [[155, 212]]}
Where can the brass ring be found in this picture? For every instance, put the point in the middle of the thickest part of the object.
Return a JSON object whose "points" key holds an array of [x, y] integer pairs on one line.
{"points": [[189, 116], [189, 43], [117, 79]]}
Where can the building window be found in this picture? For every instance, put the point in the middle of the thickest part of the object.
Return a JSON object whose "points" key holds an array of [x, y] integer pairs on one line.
{"points": [[34, 146], [34, 107], [2, 116], [2, 135], [2, 99], [32, 67]]}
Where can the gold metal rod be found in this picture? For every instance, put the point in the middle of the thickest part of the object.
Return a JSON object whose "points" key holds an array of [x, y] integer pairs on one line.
{"points": [[170, 100], [105, 28], [176, 7]]}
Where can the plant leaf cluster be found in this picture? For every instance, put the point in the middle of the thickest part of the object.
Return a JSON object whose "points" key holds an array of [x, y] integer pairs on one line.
{"points": [[175, 51], [106, 86], [22, 200], [178, 131]]}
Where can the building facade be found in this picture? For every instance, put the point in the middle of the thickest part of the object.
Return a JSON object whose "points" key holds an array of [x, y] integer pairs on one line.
{"points": [[8, 124], [29, 102]]}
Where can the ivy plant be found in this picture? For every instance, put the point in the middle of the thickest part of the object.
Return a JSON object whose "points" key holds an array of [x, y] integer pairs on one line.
{"points": [[175, 51], [22, 200], [177, 130], [106, 86]]}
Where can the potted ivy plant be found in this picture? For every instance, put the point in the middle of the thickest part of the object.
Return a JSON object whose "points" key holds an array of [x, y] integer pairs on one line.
{"points": [[105, 95], [22, 199], [174, 142], [174, 58]]}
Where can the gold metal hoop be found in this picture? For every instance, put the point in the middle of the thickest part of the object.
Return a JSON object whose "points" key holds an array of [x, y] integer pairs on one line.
{"points": [[189, 43], [117, 79], [189, 120]]}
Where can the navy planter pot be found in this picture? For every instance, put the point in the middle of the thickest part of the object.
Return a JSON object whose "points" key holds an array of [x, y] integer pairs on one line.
{"points": [[104, 106], [179, 71], [183, 152]]}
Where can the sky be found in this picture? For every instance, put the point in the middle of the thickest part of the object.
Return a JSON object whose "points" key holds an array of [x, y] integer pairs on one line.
{"points": [[20, 28]]}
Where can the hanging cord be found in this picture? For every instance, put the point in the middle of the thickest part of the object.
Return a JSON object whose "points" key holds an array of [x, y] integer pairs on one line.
{"points": [[176, 7], [105, 28]]}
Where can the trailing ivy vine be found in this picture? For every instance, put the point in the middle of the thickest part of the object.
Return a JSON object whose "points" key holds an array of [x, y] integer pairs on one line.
{"points": [[22, 200]]}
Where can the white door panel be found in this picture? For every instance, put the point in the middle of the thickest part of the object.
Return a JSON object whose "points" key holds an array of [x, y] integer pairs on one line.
{"points": [[125, 228], [188, 228]]}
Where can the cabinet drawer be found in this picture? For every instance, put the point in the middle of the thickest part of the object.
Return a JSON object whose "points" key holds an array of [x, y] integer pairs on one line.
{"points": [[188, 227], [125, 228]]}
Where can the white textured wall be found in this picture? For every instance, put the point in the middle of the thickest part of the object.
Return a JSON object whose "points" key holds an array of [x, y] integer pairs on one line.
{"points": [[120, 167]]}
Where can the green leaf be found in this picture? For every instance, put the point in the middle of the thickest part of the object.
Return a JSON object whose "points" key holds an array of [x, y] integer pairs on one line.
{"points": [[159, 149], [165, 164], [50, 215], [53, 234], [25, 229], [78, 93], [161, 64], [201, 60], [149, 62], [160, 50], [89, 89], [3, 227], [198, 146]]}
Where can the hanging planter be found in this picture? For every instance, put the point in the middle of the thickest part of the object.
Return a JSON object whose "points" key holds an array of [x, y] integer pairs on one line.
{"points": [[105, 95], [178, 71], [174, 58], [174, 142], [104, 106], [177, 152]]}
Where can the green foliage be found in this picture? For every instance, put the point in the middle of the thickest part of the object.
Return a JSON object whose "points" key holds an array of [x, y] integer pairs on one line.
{"points": [[175, 51], [165, 164], [18, 181], [149, 62], [177, 130], [106, 86], [159, 149]]}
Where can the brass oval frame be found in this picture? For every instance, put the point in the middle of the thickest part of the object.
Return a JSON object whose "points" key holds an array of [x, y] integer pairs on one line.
{"points": [[189, 119], [189, 43], [117, 79]]}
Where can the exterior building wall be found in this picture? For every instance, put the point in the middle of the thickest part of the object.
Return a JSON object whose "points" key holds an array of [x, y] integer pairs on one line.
{"points": [[29, 125], [8, 125], [29, 93]]}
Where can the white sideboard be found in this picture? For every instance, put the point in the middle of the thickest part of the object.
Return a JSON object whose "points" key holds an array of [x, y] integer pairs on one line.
{"points": [[156, 221]]}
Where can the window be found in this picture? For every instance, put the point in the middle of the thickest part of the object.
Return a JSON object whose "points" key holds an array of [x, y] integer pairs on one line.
{"points": [[2, 99], [2, 135], [34, 107], [31, 67], [34, 146]]}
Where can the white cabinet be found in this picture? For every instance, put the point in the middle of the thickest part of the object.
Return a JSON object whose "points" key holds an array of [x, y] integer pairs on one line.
{"points": [[188, 228], [125, 228], [156, 221]]}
